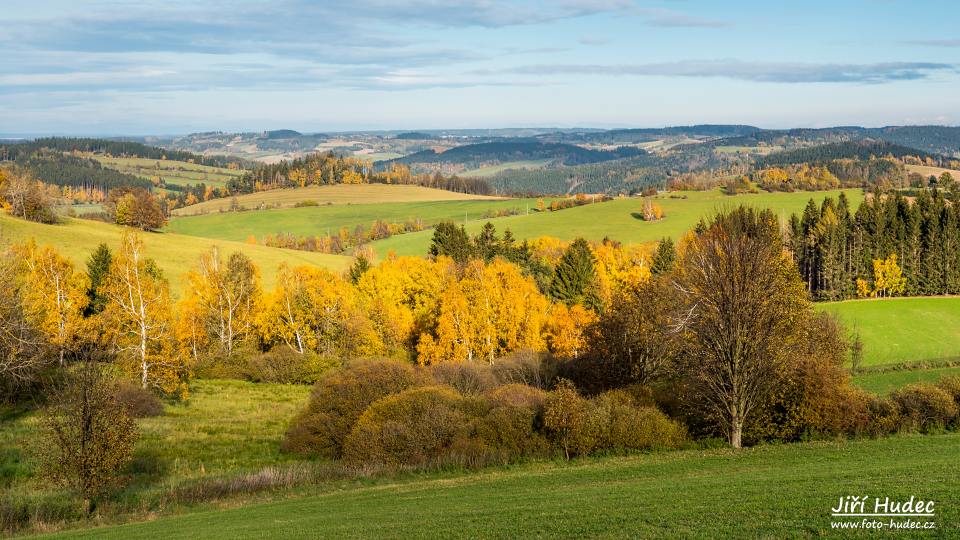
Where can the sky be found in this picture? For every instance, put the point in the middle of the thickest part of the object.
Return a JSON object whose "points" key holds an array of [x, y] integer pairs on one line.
{"points": [[111, 67]]}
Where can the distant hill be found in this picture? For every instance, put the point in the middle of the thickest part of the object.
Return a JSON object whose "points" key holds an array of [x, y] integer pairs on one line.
{"points": [[282, 134], [638, 135], [932, 139], [117, 148], [413, 135], [476, 155], [860, 150]]}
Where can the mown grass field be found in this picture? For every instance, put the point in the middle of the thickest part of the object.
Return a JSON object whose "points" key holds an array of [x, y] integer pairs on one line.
{"points": [[178, 173], [175, 254], [898, 330], [484, 172], [323, 220], [336, 194], [620, 219], [783, 491], [886, 382], [932, 171]]}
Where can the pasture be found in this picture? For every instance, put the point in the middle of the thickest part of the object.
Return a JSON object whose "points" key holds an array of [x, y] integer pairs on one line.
{"points": [[178, 173], [176, 254], [932, 171], [777, 491], [885, 382], [324, 220], [899, 330], [335, 194], [620, 219], [484, 172]]}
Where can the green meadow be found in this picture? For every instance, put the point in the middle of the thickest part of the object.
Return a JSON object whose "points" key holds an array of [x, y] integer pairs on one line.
{"points": [[777, 491], [328, 219], [899, 330], [620, 219], [484, 172], [887, 381], [179, 173], [175, 253]]}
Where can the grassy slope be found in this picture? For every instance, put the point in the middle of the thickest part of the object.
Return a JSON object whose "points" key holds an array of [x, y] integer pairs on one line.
{"points": [[903, 329], [886, 382], [934, 171], [492, 170], [336, 194], [172, 172], [322, 220], [619, 219], [773, 491], [176, 254]]}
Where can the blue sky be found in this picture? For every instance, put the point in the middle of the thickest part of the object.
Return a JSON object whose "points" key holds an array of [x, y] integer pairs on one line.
{"points": [[175, 66]]}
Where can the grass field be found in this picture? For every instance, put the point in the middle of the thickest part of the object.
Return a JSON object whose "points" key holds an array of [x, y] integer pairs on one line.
{"points": [[178, 173], [897, 330], [336, 194], [175, 254], [484, 172], [783, 491], [932, 171], [886, 382], [323, 220], [620, 219]]}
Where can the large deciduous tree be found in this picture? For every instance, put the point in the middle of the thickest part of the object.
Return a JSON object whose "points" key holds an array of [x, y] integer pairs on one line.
{"points": [[742, 307], [139, 316], [220, 307]]}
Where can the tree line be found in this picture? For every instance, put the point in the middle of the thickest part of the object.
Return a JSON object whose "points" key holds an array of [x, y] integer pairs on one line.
{"points": [[891, 245]]}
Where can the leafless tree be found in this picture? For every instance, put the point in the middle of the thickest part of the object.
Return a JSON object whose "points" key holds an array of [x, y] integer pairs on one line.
{"points": [[741, 308]]}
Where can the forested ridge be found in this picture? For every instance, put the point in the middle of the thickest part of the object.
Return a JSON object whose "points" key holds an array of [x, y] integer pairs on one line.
{"points": [[475, 155]]}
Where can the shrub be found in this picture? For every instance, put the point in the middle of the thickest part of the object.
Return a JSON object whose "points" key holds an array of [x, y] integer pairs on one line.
{"points": [[526, 367], [951, 385], [414, 427], [627, 427], [338, 400], [139, 403], [88, 435], [517, 395], [567, 420], [510, 432], [282, 365], [924, 407], [470, 379], [884, 415]]}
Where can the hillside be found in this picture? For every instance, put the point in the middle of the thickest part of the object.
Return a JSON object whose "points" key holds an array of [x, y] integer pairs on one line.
{"points": [[330, 194], [620, 219], [898, 330], [175, 254], [775, 491], [170, 172], [472, 156], [329, 219]]}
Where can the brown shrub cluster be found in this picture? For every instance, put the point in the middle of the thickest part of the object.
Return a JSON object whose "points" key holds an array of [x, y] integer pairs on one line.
{"points": [[389, 414]]}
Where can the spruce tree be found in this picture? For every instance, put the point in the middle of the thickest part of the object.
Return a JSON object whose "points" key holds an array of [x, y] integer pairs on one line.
{"points": [[359, 267], [664, 257], [98, 266], [573, 279], [452, 241]]}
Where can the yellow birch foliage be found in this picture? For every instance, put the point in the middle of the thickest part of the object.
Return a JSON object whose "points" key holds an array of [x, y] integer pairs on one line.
{"points": [[565, 330], [55, 296], [139, 317], [220, 306], [400, 295], [313, 310], [490, 311]]}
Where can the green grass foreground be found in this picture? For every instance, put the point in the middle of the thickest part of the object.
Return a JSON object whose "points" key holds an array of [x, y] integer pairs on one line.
{"points": [[903, 330], [769, 491]]}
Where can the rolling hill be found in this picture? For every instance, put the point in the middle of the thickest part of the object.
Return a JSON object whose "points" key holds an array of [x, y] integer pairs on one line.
{"points": [[331, 194], [473, 156], [175, 254], [620, 219]]}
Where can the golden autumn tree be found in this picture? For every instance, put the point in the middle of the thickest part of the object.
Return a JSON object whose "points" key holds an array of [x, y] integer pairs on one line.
{"points": [[888, 278], [313, 310], [619, 268], [54, 295], [220, 306], [400, 295], [139, 316], [489, 311], [565, 329]]}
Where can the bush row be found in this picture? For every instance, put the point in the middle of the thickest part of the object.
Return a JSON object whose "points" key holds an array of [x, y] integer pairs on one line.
{"points": [[375, 413]]}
